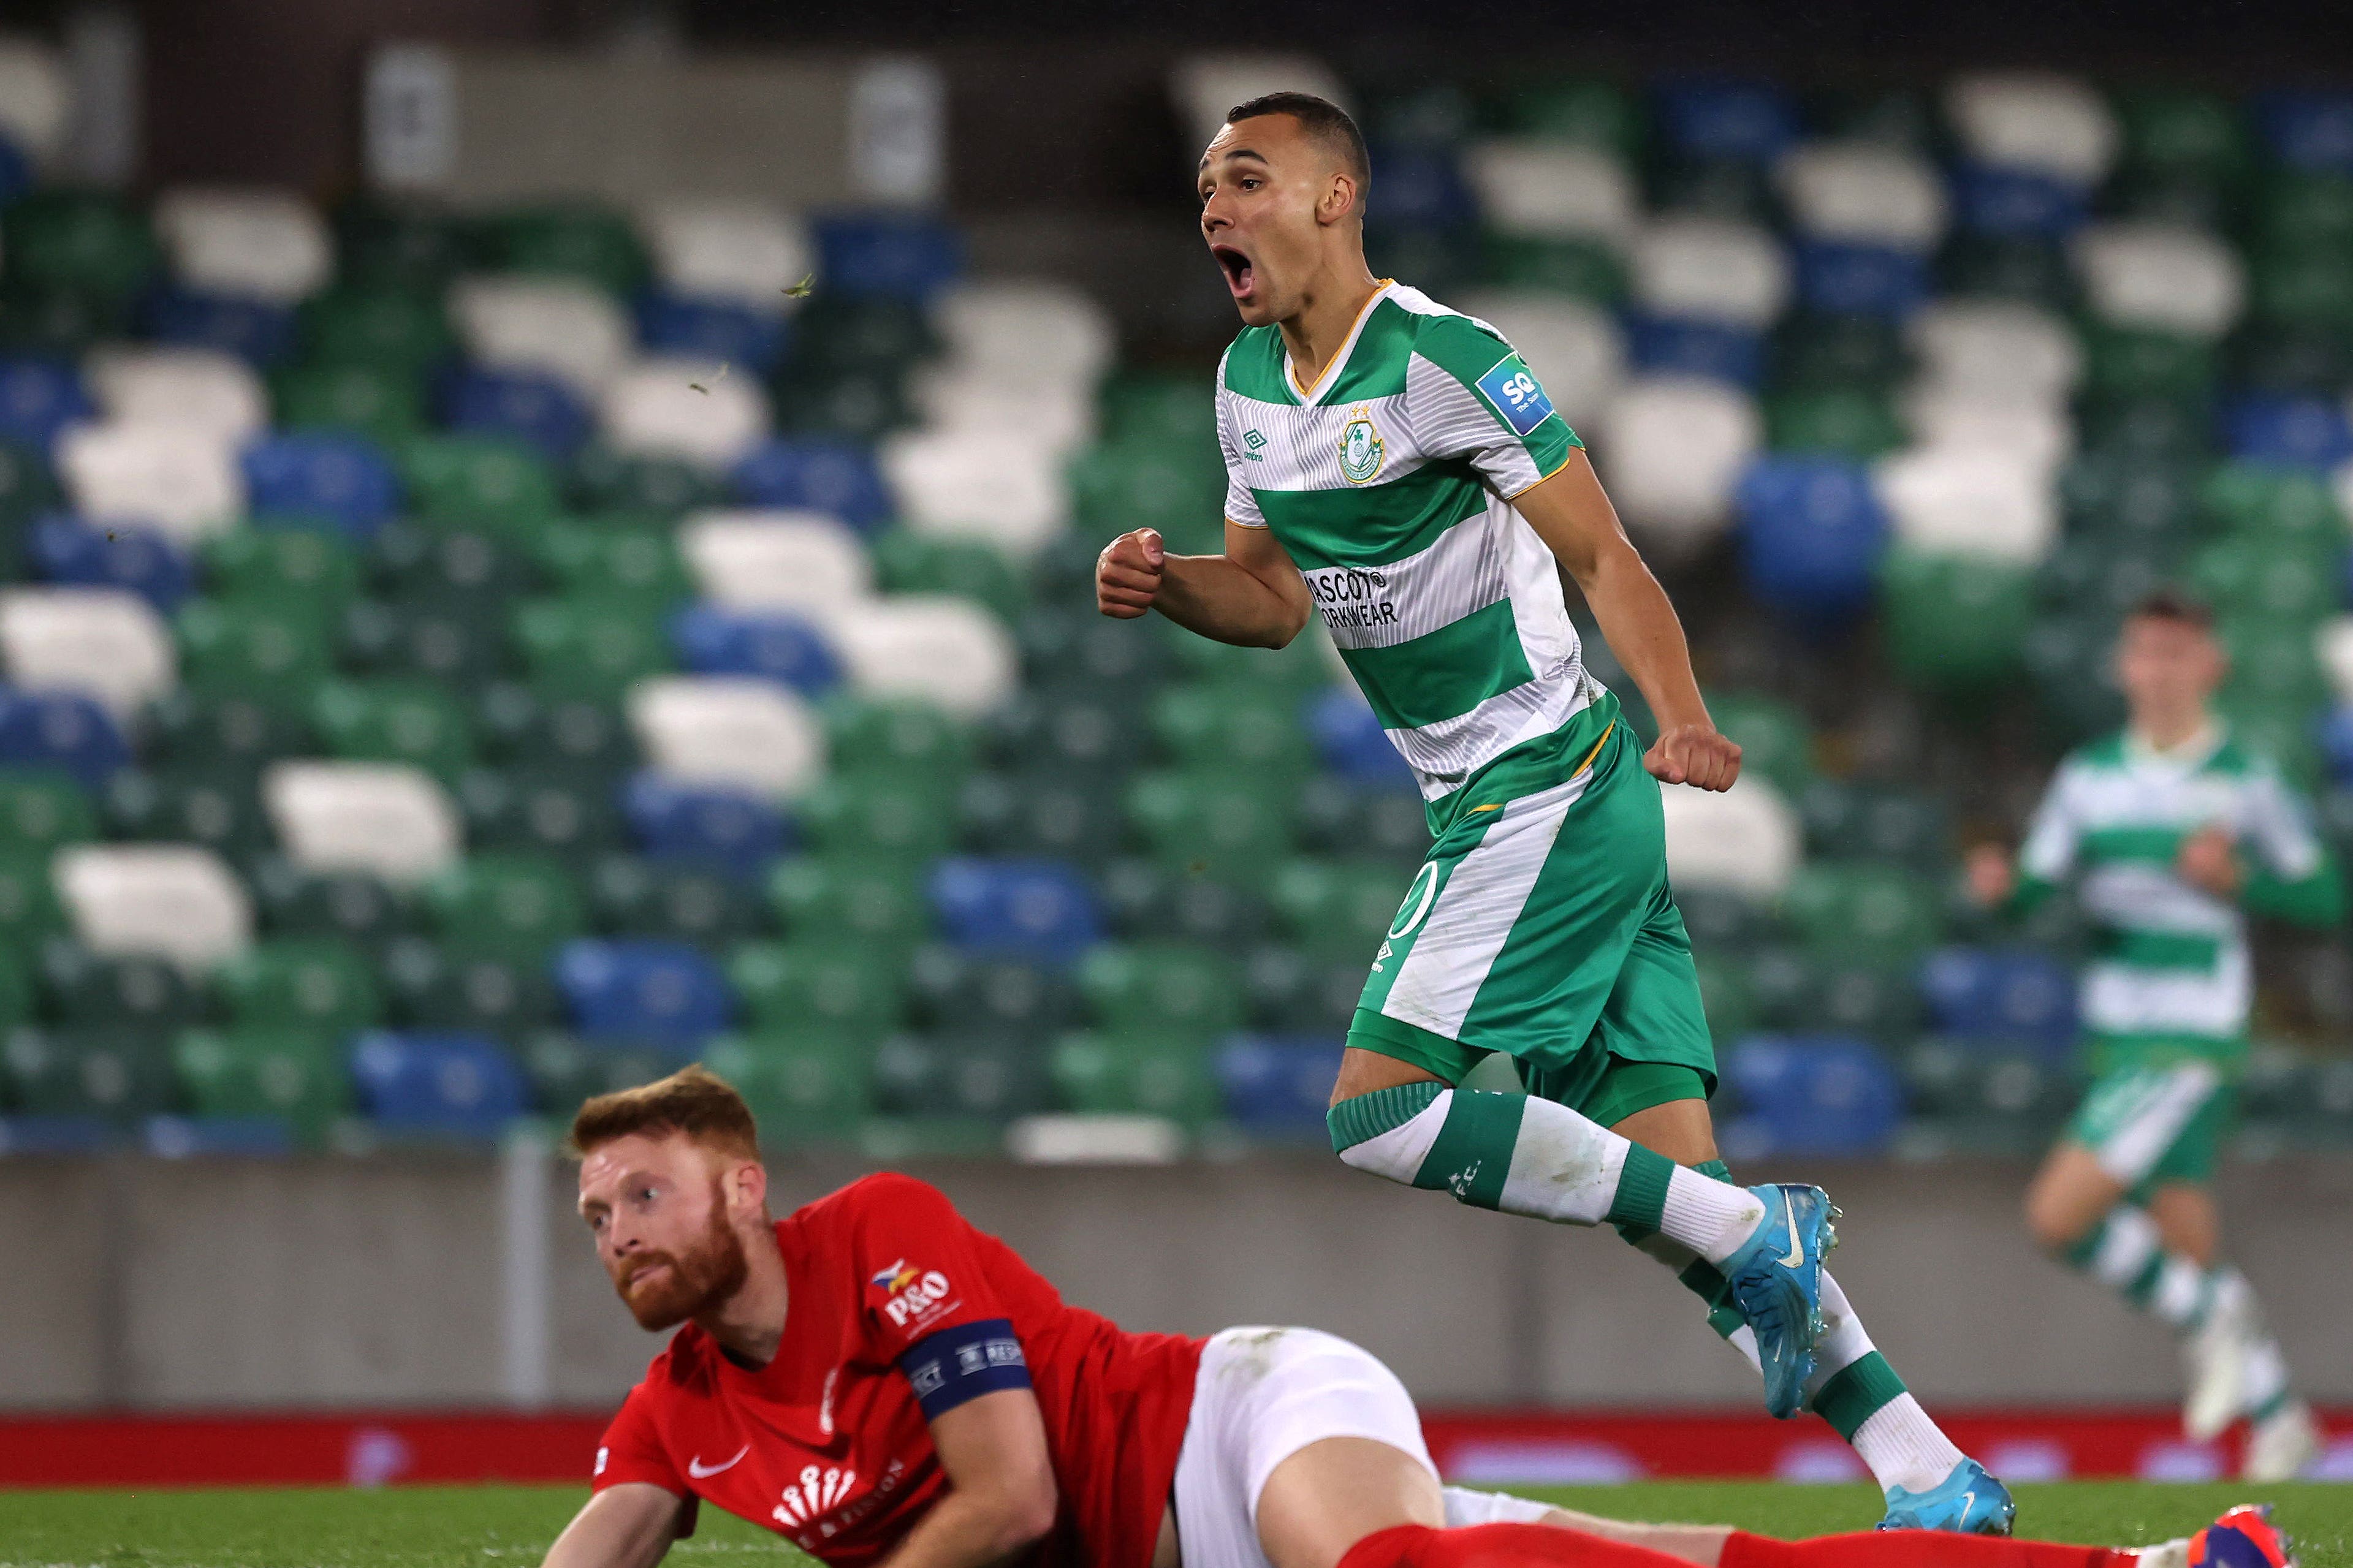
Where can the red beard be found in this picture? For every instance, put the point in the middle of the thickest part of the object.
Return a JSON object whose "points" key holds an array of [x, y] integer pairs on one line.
{"points": [[697, 1281]]}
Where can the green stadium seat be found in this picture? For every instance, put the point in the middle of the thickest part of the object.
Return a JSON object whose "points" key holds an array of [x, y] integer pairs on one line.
{"points": [[384, 331], [899, 739], [1067, 650], [1164, 987], [1225, 827], [121, 1074], [26, 486], [1336, 910], [311, 570], [805, 1085], [1047, 812], [577, 239], [1865, 912], [840, 331], [429, 987], [515, 906], [586, 561], [1866, 995], [827, 981], [2157, 428], [1384, 825], [1726, 992], [92, 243], [2067, 655], [457, 642], [952, 991], [2184, 134], [1291, 993], [863, 405], [906, 562], [631, 896], [470, 562], [593, 648], [2301, 286], [2273, 663], [891, 820], [1253, 728], [218, 806], [603, 480], [564, 1072], [1580, 268], [1304, 667], [1970, 1102], [2143, 362], [399, 245], [2280, 729], [272, 653], [1837, 354], [1776, 742], [1726, 919], [1848, 421], [518, 724], [87, 990], [1735, 190], [2259, 577], [40, 810], [1783, 980], [384, 404], [2028, 268], [2299, 208], [1135, 1073], [2258, 500], [2106, 574], [1151, 483], [29, 901], [962, 1076], [1867, 822], [19, 997], [319, 985], [1590, 111], [476, 479], [2312, 360], [1148, 902], [890, 1141], [395, 721], [294, 902], [58, 319], [880, 906], [296, 1075], [1141, 407], [1954, 625], [556, 808]]}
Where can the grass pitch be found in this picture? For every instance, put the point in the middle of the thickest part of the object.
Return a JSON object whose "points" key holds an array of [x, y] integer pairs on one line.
{"points": [[509, 1527]]}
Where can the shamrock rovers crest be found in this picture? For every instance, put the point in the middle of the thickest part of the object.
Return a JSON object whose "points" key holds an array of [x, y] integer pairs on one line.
{"points": [[1361, 449]]}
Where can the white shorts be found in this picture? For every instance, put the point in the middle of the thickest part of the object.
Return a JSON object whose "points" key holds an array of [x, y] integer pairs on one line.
{"points": [[1260, 1396]]}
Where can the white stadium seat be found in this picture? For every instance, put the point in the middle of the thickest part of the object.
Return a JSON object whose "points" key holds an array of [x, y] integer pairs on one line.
{"points": [[1671, 449], [181, 482], [2161, 275], [977, 483], [570, 330], [2040, 433], [800, 560], [1204, 87], [215, 394], [684, 408], [745, 253], [1744, 839], [1996, 349], [1551, 190], [733, 732], [269, 245], [1025, 333], [1970, 501], [173, 902], [1864, 194], [1713, 267], [930, 647], [2053, 125], [2333, 643], [105, 643], [968, 398], [1575, 349], [384, 819], [35, 96]]}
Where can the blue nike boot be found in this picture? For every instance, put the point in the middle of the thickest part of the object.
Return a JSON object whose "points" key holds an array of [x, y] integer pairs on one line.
{"points": [[1776, 1288], [1966, 1503]]}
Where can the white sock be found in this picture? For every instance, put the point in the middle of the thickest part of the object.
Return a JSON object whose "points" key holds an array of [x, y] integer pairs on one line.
{"points": [[1904, 1448], [1711, 1217]]}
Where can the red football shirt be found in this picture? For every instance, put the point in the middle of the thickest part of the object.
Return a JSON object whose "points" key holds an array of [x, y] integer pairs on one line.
{"points": [[827, 1445]]}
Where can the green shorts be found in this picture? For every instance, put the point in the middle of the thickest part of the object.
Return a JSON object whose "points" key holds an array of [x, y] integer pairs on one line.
{"points": [[1541, 925], [2150, 1123]]}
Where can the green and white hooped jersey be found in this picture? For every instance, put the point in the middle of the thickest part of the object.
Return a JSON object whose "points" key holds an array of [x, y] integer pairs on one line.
{"points": [[1391, 484], [2173, 962]]}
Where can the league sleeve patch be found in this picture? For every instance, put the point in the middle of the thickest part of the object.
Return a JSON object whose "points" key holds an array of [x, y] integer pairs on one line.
{"points": [[1516, 394], [964, 1363]]}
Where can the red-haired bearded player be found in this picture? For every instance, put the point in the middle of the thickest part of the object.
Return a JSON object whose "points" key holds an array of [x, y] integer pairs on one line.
{"points": [[878, 1381]]}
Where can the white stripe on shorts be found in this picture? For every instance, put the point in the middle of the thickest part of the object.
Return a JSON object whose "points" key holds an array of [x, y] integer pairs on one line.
{"points": [[2149, 1128]]}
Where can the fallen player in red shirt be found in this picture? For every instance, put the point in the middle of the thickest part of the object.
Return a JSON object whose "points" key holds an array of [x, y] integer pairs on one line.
{"points": [[877, 1382]]}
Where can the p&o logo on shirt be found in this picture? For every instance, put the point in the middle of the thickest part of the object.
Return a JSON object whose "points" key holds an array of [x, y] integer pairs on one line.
{"points": [[912, 1294], [1361, 447]]}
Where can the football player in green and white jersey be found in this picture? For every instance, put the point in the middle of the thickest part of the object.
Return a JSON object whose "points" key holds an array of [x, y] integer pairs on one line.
{"points": [[1394, 466], [2170, 833]]}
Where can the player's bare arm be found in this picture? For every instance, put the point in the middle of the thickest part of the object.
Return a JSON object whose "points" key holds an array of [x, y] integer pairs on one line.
{"points": [[1001, 1498], [1251, 596], [1574, 517], [626, 1526]]}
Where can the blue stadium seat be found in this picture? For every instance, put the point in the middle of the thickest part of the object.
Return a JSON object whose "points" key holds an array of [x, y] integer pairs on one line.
{"points": [[718, 329], [1679, 345], [1277, 1084], [528, 405], [1350, 741], [838, 478], [773, 645], [662, 991], [1810, 535], [1720, 118], [39, 397], [1810, 1095], [2337, 743], [1860, 279], [2311, 131], [2019, 996], [15, 171], [342, 475], [65, 549], [193, 1137], [258, 330], [463, 1086], [902, 256], [61, 730], [2017, 201], [56, 1134], [2284, 428], [1421, 187], [1039, 910], [720, 828]]}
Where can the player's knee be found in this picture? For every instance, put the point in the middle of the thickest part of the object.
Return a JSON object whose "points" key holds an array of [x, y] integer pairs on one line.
{"points": [[2056, 1223]]}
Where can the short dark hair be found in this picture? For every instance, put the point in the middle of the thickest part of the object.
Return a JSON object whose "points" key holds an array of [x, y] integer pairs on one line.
{"points": [[2171, 603], [1322, 119], [693, 1102]]}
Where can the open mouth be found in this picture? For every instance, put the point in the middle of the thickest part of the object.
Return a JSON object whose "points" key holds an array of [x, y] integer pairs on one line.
{"points": [[1239, 277]]}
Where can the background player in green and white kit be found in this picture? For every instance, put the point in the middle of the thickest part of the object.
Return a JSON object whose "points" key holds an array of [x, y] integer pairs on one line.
{"points": [[2170, 833], [1394, 466]]}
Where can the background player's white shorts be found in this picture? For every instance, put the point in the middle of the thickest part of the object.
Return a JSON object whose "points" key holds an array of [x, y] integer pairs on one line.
{"points": [[1260, 1396]]}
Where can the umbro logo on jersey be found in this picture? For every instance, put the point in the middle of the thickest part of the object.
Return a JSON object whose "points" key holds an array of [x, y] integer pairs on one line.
{"points": [[1253, 439]]}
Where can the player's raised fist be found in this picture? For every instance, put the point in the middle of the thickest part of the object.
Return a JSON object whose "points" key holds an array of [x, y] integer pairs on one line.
{"points": [[2209, 860], [1127, 573], [1695, 755]]}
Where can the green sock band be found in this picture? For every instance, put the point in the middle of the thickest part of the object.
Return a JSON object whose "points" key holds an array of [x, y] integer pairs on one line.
{"points": [[2087, 1246], [1641, 1195], [2143, 1289], [1857, 1392], [1474, 1152], [1363, 1116]]}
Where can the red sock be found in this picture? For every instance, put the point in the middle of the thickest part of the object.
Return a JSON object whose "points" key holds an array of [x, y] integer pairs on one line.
{"points": [[1912, 1549], [1504, 1546]]}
